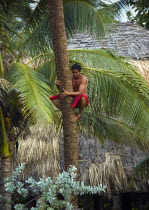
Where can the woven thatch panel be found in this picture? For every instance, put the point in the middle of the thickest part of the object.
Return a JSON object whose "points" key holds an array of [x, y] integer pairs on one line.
{"points": [[91, 151], [143, 67], [40, 152], [127, 39], [43, 153]]}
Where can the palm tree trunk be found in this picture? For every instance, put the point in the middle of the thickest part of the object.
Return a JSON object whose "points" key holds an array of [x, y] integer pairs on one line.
{"points": [[6, 164], [5, 172], [59, 42]]}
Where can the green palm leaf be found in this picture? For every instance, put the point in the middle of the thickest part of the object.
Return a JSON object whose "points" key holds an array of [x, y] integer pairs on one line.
{"points": [[34, 90], [80, 16], [39, 41], [143, 167], [106, 127], [116, 91]]}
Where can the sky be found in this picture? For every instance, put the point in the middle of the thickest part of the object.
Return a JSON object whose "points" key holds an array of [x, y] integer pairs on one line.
{"points": [[124, 11]]}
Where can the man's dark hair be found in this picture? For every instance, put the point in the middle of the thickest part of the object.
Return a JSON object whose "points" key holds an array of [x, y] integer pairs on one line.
{"points": [[76, 66]]}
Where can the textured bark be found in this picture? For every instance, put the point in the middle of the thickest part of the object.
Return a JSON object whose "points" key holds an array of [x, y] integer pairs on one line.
{"points": [[59, 42], [116, 202], [5, 171]]}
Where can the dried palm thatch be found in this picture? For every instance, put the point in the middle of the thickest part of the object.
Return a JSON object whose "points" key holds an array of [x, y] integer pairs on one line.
{"points": [[143, 67], [40, 152], [110, 173]]}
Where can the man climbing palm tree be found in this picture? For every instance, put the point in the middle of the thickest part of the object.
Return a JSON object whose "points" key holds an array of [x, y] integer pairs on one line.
{"points": [[80, 98]]}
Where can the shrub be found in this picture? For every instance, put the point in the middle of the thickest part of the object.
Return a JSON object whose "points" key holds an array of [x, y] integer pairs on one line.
{"points": [[53, 194]]}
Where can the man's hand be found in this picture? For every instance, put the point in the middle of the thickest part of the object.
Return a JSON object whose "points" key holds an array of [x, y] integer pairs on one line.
{"points": [[65, 93], [58, 83]]}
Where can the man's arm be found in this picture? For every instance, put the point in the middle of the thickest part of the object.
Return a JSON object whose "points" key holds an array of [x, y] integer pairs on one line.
{"points": [[82, 89]]}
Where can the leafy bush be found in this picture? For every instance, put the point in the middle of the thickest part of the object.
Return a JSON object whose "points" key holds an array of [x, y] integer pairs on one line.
{"points": [[53, 194]]}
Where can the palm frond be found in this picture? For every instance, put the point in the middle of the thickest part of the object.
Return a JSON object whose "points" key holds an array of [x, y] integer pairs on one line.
{"points": [[40, 10], [7, 32], [116, 100], [142, 168], [17, 9], [110, 12], [41, 59], [118, 95], [107, 127], [116, 90], [34, 91], [39, 40], [82, 16], [48, 70]]}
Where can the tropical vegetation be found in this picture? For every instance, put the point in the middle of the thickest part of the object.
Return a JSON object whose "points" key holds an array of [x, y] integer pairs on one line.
{"points": [[141, 8], [118, 94], [50, 194]]}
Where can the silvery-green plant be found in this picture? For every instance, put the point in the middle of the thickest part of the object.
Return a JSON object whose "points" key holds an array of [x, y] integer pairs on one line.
{"points": [[53, 194], [13, 185]]}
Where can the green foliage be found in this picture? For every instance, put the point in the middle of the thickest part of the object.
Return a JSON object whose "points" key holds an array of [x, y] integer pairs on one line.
{"points": [[12, 117], [142, 168], [53, 194], [34, 90], [117, 92], [80, 16], [119, 95], [142, 9]]}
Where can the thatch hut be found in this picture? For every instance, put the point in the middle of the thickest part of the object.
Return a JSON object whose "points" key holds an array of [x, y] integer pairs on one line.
{"points": [[111, 163], [131, 41], [127, 39]]}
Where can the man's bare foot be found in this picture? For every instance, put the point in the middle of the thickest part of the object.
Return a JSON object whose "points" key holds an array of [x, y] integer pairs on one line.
{"points": [[76, 118]]}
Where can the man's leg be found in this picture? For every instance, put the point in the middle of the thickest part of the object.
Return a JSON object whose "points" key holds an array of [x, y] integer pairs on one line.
{"points": [[57, 103], [82, 105]]}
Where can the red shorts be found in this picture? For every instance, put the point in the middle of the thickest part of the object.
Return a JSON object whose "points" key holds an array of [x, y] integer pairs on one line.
{"points": [[76, 99]]}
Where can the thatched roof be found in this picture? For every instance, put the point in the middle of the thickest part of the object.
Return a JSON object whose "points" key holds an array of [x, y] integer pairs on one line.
{"points": [[43, 149], [143, 67], [127, 39], [40, 152], [92, 152], [43, 153]]}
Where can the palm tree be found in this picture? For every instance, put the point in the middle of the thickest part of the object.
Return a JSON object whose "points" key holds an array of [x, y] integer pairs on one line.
{"points": [[59, 43], [12, 120], [63, 74], [116, 91], [34, 91], [11, 123], [10, 13], [127, 94]]}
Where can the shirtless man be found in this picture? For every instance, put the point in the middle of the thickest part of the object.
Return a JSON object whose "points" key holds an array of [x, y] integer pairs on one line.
{"points": [[80, 99]]}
